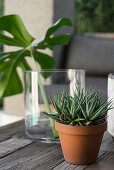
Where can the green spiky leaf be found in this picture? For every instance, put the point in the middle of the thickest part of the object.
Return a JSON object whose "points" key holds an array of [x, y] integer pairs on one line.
{"points": [[84, 109]]}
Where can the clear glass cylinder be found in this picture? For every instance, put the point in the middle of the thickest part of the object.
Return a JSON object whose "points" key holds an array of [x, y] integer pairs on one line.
{"points": [[111, 97], [37, 124]]}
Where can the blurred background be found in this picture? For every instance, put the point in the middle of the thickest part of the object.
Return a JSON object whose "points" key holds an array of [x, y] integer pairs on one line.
{"points": [[94, 16], [91, 46]]}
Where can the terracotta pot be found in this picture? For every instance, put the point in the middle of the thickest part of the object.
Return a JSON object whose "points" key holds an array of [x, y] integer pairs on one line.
{"points": [[80, 144]]}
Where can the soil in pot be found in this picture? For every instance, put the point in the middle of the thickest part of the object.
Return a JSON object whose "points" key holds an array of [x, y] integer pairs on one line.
{"points": [[80, 144]]}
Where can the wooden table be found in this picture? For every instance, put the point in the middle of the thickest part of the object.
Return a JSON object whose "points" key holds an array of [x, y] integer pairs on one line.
{"points": [[19, 153]]}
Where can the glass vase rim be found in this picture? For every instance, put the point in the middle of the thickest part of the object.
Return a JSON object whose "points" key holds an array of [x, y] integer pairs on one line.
{"points": [[50, 70], [111, 75]]}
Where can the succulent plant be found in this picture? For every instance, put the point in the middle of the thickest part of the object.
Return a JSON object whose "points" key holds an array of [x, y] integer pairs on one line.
{"points": [[84, 108]]}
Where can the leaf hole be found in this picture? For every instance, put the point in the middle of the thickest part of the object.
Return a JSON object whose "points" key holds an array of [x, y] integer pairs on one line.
{"points": [[7, 59], [8, 34]]}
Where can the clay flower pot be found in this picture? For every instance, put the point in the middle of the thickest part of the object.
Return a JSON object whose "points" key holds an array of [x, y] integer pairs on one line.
{"points": [[80, 144]]}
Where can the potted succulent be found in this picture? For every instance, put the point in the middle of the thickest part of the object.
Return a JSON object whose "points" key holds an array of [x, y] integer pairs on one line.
{"points": [[80, 121]]}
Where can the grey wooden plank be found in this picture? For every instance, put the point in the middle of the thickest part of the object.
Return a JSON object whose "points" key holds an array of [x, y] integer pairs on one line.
{"points": [[107, 163], [47, 161], [13, 144], [42, 156], [72, 167], [100, 157], [62, 166], [16, 129], [66, 166], [108, 143], [106, 136], [25, 154], [35, 156]]}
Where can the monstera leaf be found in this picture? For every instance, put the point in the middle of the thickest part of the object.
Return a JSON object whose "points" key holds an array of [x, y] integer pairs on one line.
{"points": [[15, 27], [10, 82], [50, 42]]}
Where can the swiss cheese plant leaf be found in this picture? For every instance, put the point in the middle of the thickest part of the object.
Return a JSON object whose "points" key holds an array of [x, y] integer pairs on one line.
{"points": [[59, 39], [57, 25], [15, 27], [46, 62], [9, 88], [49, 41], [10, 82]]}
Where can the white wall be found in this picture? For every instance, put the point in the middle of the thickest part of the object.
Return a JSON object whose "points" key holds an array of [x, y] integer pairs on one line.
{"points": [[37, 16]]}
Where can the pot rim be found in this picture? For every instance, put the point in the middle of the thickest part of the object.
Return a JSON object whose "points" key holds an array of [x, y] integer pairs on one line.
{"points": [[81, 130]]}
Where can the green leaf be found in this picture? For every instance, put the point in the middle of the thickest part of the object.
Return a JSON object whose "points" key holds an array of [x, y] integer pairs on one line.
{"points": [[87, 106], [10, 82], [53, 115], [48, 41], [8, 64], [55, 105], [46, 62], [18, 36], [14, 26], [66, 114], [64, 122], [92, 107], [100, 120], [8, 85], [82, 109], [78, 119], [60, 39], [57, 25], [102, 109]]}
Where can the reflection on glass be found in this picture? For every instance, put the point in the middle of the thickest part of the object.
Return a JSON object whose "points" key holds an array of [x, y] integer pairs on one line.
{"points": [[37, 124]]}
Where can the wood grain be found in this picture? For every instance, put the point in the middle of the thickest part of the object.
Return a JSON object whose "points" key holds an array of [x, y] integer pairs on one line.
{"points": [[34, 156], [16, 129], [67, 166], [11, 145], [107, 163], [107, 143], [19, 153]]}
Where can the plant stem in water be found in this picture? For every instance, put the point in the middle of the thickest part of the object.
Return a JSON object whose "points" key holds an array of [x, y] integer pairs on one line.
{"points": [[52, 121]]}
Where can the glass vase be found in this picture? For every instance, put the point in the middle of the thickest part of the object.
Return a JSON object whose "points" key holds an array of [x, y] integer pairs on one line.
{"points": [[37, 124], [111, 97]]}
